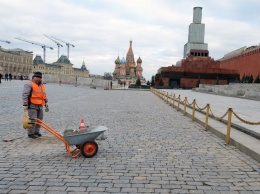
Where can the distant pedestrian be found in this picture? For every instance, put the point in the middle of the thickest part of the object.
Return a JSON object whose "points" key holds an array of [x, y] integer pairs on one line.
{"points": [[21, 77], [60, 82], [124, 84], [0, 78], [111, 85], [6, 76], [34, 98], [10, 76]]}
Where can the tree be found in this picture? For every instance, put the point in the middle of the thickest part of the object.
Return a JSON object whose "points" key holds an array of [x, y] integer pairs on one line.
{"points": [[243, 79], [160, 82], [107, 76], [250, 79], [152, 81], [237, 80], [198, 82], [138, 82], [148, 83], [246, 79], [257, 79]]}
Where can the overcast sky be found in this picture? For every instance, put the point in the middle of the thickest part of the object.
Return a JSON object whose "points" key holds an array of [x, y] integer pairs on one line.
{"points": [[101, 29]]}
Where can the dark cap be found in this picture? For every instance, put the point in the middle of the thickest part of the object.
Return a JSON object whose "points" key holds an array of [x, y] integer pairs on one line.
{"points": [[37, 74]]}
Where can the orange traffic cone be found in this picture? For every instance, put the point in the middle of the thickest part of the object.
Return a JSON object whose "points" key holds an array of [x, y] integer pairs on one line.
{"points": [[82, 125]]}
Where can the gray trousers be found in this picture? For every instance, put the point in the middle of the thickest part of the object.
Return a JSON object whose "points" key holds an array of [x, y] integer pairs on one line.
{"points": [[35, 112]]}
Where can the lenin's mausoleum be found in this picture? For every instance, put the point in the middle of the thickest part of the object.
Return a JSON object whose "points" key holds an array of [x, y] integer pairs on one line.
{"points": [[197, 65]]}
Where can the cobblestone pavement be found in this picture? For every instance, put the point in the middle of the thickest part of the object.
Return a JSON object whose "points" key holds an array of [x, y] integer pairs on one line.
{"points": [[150, 148]]}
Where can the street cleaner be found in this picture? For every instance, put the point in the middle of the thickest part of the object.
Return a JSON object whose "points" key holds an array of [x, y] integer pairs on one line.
{"points": [[34, 98]]}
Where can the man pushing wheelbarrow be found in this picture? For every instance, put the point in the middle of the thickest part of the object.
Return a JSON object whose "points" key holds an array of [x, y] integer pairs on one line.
{"points": [[34, 98], [83, 139]]}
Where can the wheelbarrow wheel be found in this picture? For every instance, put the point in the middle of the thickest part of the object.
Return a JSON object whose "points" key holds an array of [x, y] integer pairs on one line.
{"points": [[89, 149]]}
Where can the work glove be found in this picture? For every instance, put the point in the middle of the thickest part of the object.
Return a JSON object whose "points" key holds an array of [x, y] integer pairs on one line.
{"points": [[46, 108], [25, 107]]}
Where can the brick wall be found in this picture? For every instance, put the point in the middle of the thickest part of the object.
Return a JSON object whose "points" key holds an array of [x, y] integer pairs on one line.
{"points": [[246, 64]]}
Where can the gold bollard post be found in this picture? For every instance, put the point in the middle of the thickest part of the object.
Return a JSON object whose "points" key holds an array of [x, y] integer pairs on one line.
{"points": [[173, 100], [185, 104], [179, 99], [164, 95], [229, 125], [207, 118], [171, 97], [193, 110]]}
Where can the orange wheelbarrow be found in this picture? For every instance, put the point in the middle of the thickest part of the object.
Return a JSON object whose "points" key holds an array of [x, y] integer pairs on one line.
{"points": [[84, 140]]}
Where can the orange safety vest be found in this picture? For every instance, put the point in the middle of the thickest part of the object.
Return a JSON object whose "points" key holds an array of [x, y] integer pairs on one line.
{"points": [[38, 95]]}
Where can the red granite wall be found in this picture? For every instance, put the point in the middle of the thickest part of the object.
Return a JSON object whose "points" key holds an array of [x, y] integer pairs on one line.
{"points": [[191, 83], [194, 65]]}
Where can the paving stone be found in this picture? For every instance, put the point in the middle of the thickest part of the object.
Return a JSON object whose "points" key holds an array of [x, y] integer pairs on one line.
{"points": [[18, 192], [95, 189], [129, 190], [149, 148], [18, 187], [76, 189], [57, 192], [36, 188]]}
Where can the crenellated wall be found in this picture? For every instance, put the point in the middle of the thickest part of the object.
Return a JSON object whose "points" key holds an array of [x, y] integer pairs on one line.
{"points": [[246, 63]]}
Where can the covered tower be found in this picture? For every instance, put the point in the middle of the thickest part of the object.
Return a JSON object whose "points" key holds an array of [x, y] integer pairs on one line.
{"points": [[117, 68], [130, 59], [132, 70], [139, 69], [83, 66], [195, 45]]}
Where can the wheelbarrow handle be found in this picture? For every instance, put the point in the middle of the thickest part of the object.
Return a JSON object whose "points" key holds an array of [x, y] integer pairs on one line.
{"points": [[32, 121]]}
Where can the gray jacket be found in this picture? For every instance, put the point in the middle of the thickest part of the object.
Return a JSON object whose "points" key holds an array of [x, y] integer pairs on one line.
{"points": [[26, 95]]}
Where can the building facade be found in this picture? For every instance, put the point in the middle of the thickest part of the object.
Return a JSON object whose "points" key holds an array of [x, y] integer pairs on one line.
{"points": [[128, 70], [62, 66], [21, 63], [16, 61]]}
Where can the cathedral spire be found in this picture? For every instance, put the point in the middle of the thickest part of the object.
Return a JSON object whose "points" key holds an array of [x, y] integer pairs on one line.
{"points": [[130, 55]]}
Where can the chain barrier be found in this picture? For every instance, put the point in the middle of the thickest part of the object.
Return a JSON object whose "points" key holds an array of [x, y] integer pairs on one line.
{"points": [[218, 118], [189, 103], [247, 122], [201, 108], [174, 98]]}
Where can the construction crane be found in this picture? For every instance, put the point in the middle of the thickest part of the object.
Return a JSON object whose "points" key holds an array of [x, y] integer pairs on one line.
{"points": [[58, 44], [39, 44], [5, 41], [67, 43]]}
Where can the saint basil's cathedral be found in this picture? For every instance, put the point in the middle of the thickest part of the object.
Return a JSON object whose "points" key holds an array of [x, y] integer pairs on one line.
{"points": [[127, 70]]}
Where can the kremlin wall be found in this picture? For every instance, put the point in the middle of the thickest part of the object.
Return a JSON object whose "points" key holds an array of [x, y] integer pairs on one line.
{"points": [[245, 60]]}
